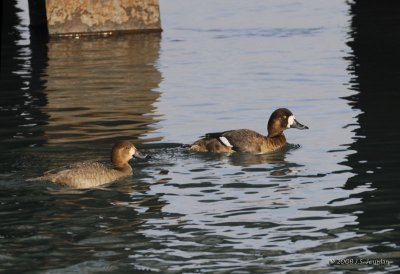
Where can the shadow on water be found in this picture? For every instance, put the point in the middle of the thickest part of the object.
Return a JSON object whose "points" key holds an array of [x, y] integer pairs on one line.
{"points": [[23, 59], [374, 64]]}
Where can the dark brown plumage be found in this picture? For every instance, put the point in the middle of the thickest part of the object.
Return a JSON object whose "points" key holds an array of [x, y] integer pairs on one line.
{"points": [[245, 140]]}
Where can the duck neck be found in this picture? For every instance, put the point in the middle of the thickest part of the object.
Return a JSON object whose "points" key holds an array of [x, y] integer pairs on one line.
{"points": [[276, 140], [126, 168], [275, 134]]}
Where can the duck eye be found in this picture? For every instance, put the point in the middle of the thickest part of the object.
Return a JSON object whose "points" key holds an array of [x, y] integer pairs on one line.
{"points": [[284, 117]]}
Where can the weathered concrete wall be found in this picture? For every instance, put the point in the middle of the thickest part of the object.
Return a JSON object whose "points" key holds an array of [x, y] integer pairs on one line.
{"points": [[100, 16]]}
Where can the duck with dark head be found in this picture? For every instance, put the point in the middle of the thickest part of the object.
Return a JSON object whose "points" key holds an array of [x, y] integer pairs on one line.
{"points": [[245, 140]]}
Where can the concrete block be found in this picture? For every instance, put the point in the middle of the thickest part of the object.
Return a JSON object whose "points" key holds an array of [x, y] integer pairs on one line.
{"points": [[102, 16]]}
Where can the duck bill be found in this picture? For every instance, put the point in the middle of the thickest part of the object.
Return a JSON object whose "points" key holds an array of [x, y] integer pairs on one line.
{"points": [[140, 155], [297, 125]]}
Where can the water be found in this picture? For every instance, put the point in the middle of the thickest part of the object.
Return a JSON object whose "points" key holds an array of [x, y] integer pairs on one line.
{"points": [[331, 194]]}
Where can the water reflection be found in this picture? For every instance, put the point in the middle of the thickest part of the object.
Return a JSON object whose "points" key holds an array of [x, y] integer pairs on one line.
{"points": [[106, 220], [247, 159], [186, 212], [374, 66], [21, 87], [102, 88], [75, 90]]}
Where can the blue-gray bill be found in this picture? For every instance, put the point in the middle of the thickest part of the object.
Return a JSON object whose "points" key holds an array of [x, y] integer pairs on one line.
{"points": [[297, 125], [140, 155]]}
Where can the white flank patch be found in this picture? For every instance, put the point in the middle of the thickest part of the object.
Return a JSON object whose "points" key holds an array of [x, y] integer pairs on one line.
{"points": [[225, 141], [290, 121]]}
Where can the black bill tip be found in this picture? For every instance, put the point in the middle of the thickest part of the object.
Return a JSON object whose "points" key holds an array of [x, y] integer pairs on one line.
{"points": [[142, 156], [298, 125]]}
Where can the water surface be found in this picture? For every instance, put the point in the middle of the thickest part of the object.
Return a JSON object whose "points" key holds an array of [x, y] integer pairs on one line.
{"points": [[331, 194]]}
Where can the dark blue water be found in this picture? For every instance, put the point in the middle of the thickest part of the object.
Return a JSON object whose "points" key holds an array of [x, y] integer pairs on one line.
{"points": [[328, 203]]}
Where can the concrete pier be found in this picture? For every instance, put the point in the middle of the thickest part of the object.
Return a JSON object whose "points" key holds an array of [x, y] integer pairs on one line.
{"points": [[80, 17]]}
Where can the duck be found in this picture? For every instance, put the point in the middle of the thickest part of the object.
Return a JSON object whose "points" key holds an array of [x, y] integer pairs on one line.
{"points": [[89, 174], [249, 141]]}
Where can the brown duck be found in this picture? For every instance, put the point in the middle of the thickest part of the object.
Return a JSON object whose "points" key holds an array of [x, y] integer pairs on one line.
{"points": [[91, 174], [245, 140]]}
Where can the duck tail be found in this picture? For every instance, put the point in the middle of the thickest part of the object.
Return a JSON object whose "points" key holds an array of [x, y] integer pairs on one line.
{"points": [[211, 135], [40, 178], [34, 179], [186, 146]]}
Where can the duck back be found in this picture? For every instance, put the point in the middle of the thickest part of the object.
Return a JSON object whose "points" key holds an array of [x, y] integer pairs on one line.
{"points": [[240, 140], [86, 174]]}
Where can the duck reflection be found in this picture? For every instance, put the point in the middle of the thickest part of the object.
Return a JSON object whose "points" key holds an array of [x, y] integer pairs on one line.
{"points": [[248, 159], [102, 88], [276, 157]]}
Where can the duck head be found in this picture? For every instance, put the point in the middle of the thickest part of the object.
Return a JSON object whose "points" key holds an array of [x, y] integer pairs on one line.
{"points": [[123, 151], [282, 119]]}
